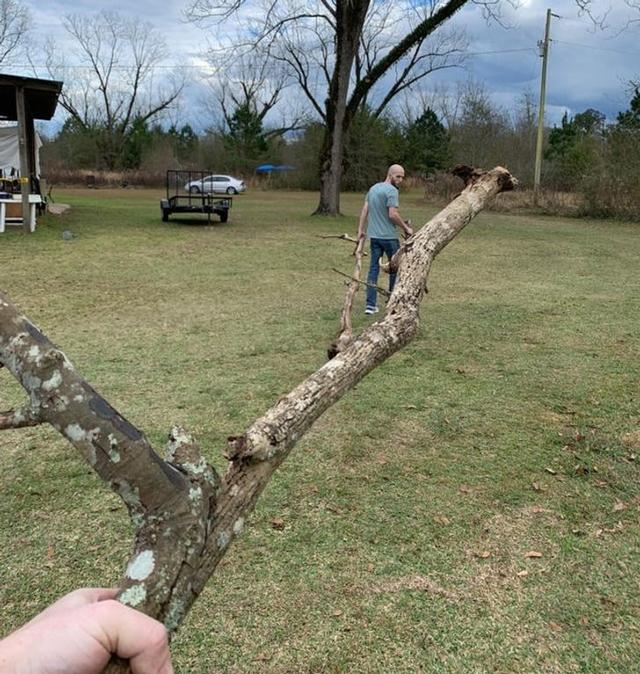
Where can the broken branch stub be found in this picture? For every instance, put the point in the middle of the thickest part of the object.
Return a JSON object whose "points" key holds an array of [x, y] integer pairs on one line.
{"points": [[185, 517]]}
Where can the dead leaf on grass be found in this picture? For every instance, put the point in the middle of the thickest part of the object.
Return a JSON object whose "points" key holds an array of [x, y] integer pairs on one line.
{"points": [[522, 574], [277, 523], [465, 489], [337, 613], [618, 506], [441, 519], [533, 554], [484, 554], [551, 471]]}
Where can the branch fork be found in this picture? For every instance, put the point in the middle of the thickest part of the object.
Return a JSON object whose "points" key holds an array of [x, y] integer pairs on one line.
{"points": [[184, 515]]}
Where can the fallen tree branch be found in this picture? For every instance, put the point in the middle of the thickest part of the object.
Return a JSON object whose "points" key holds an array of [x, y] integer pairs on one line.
{"points": [[185, 517]]}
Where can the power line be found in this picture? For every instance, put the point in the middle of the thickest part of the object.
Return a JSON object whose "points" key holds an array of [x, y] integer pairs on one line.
{"points": [[590, 46], [498, 51], [204, 66]]}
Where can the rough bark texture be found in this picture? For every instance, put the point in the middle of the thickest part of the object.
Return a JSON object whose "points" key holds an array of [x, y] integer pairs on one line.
{"points": [[185, 517]]}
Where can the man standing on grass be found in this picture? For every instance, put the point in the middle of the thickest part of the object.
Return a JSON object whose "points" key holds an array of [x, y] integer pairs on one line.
{"points": [[380, 217]]}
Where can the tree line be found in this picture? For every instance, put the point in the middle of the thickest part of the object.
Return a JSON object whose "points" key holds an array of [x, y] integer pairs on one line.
{"points": [[333, 87], [583, 154]]}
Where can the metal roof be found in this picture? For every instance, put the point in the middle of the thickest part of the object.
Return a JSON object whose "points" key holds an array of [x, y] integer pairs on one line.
{"points": [[41, 96]]}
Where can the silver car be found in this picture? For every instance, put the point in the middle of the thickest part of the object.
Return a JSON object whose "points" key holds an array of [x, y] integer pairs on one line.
{"points": [[216, 184]]}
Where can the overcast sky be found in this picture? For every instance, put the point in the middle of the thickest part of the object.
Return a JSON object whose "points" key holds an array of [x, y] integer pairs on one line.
{"points": [[587, 68]]}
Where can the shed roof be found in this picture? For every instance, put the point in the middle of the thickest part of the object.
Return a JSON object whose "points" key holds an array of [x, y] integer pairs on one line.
{"points": [[41, 96]]}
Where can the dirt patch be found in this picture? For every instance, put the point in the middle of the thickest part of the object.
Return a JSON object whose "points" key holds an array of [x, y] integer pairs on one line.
{"points": [[631, 440], [414, 583]]}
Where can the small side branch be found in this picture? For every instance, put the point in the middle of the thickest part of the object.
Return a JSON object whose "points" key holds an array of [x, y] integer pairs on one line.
{"points": [[382, 291], [345, 334], [344, 237], [21, 418]]}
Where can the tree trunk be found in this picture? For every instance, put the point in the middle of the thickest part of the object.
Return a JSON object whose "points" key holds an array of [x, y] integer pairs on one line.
{"points": [[331, 171], [350, 15], [184, 515]]}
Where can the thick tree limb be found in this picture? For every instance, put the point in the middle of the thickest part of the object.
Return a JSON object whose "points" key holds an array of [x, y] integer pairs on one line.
{"points": [[184, 517]]}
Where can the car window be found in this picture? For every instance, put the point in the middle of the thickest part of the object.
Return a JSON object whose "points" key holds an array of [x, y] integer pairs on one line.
{"points": [[221, 179]]}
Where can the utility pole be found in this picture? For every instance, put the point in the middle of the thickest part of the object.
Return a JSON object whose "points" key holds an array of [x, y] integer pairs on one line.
{"points": [[544, 49]]}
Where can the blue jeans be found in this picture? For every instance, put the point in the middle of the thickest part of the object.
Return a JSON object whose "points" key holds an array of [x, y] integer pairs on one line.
{"points": [[378, 248]]}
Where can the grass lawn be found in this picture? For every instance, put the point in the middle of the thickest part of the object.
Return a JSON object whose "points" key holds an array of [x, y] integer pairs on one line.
{"points": [[398, 535]]}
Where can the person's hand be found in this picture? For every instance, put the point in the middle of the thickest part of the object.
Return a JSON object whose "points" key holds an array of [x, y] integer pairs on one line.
{"points": [[408, 231], [79, 633]]}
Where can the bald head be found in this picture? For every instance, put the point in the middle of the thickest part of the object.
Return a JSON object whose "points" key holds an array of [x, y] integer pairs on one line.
{"points": [[395, 175]]}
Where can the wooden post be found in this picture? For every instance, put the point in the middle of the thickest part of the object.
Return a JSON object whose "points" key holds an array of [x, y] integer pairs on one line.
{"points": [[544, 45], [25, 167]]}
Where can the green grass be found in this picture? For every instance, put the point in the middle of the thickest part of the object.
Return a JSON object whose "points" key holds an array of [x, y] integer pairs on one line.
{"points": [[511, 424]]}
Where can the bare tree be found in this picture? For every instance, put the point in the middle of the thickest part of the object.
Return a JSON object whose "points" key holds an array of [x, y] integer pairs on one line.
{"points": [[184, 514], [116, 82], [345, 54], [252, 82], [14, 26]]}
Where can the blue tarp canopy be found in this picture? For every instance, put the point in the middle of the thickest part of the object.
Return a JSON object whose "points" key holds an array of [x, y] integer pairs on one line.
{"points": [[274, 168]]}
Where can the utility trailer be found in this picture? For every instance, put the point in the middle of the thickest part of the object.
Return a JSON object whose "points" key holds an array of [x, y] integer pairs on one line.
{"points": [[181, 199]]}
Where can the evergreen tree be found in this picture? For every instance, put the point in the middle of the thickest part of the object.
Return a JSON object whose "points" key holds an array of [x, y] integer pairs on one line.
{"points": [[138, 140], [426, 144], [245, 139], [630, 119]]}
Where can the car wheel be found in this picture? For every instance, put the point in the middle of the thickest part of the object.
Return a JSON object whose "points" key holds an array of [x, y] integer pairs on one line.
{"points": [[231, 190], [194, 189]]}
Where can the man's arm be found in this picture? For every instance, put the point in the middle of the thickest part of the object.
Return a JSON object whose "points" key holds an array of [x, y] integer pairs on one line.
{"points": [[362, 222], [394, 216]]}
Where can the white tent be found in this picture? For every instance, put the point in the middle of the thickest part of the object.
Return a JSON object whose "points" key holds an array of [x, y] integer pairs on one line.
{"points": [[10, 152]]}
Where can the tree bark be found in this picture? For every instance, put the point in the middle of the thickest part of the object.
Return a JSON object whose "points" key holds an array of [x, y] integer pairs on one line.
{"points": [[185, 516]]}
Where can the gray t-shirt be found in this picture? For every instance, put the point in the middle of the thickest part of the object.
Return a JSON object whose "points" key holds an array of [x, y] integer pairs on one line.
{"points": [[379, 199]]}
